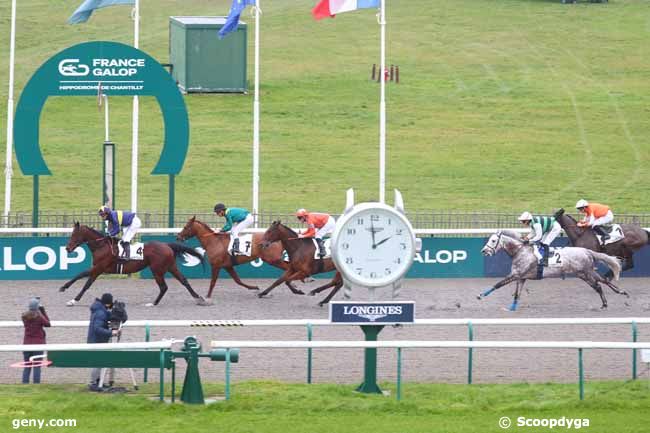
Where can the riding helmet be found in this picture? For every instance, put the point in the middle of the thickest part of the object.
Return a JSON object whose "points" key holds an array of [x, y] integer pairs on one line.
{"points": [[582, 203], [219, 207]]}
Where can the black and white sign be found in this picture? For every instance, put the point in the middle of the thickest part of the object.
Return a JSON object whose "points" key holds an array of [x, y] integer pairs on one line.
{"points": [[379, 313]]}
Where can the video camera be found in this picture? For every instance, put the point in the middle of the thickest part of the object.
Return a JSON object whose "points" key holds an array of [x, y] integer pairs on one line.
{"points": [[118, 315]]}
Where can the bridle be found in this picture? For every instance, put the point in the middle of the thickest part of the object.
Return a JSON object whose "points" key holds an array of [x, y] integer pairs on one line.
{"points": [[494, 249]]}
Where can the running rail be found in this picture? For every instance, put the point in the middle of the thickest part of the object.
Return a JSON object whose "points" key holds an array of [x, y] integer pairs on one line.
{"points": [[165, 344]]}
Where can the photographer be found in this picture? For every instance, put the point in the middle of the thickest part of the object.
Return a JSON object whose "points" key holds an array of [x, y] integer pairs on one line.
{"points": [[35, 319], [99, 330]]}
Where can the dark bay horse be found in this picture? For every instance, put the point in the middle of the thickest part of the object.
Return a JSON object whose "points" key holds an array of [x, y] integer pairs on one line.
{"points": [[635, 239], [215, 245], [302, 263], [158, 256]]}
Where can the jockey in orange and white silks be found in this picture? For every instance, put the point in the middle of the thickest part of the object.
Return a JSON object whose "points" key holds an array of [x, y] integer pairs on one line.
{"points": [[596, 215], [318, 226]]}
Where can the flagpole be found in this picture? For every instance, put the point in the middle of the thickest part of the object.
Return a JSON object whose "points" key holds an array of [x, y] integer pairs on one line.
{"points": [[382, 106], [135, 125], [10, 115], [256, 119]]}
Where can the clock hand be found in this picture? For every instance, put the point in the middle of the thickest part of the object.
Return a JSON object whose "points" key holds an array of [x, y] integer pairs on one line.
{"points": [[372, 232], [381, 242]]}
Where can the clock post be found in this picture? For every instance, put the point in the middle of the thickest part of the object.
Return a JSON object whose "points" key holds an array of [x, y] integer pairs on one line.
{"points": [[373, 245]]}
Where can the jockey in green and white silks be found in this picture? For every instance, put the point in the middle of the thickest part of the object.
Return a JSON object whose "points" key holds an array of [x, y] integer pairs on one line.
{"points": [[543, 231]]}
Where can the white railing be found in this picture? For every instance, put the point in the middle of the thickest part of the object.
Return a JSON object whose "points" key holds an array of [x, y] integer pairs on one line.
{"points": [[87, 346], [326, 322]]}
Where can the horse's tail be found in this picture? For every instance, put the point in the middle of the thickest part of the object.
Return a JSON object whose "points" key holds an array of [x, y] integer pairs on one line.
{"points": [[648, 233], [612, 262], [179, 249]]}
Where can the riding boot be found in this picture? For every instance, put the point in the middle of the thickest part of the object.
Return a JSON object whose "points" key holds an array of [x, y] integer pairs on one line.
{"points": [[235, 247], [545, 251], [127, 249], [603, 234], [321, 247]]}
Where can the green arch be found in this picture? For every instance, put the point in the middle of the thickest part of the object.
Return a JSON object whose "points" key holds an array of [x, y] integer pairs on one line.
{"points": [[122, 70]]}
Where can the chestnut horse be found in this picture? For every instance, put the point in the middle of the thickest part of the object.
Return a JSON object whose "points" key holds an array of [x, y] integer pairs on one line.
{"points": [[159, 257], [302, 263], [634, 239], [215, 245]]}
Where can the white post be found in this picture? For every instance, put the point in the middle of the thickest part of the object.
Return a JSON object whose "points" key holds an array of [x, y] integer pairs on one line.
{"points": [[106, 125], [10, 115], [382, 106], [256, 120], [136, 109]]}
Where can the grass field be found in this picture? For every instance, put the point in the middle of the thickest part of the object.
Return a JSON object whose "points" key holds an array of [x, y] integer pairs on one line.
{"points": [[503, 104], [272, 407]]}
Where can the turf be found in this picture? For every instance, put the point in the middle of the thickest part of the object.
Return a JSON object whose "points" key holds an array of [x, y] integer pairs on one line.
{"points": [[276, 407], [502, 104]]}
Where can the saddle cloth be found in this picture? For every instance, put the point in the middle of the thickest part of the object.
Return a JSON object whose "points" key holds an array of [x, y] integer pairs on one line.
{"points": [[245, 244], [136, 250], [615, 234], [328, 251], [554, 256]]}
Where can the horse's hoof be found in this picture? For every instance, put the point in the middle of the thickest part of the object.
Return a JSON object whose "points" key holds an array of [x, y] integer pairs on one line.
{"points": [[311, 294], [320, 304], [149, 304], [62, 289], [603, 307], [253, 288], [208, 301], [71, 303], [479, 297], [299, 292], [261, 295], [200, 301]]}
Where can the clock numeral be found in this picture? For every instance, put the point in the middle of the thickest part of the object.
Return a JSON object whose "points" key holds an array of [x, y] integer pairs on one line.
{"points": [[402, 245], [373, 275], [398, 232], [398, 261], [390, 221], [374, 218], [360, 221], [345, 246], [388, 271], [352, 231], [359, 270], [349, 260]]}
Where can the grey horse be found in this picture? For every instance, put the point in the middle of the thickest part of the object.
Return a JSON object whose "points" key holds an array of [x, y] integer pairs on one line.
{"points": [[570, 260]]}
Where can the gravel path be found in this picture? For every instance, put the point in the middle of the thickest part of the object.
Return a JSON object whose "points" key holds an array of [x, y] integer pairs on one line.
{"points": [[440, 298]]}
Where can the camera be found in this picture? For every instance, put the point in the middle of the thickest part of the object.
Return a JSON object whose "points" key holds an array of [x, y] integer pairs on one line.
{"points": [[118, 315]]}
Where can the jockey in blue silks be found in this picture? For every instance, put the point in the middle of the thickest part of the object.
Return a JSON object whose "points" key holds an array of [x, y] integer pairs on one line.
{"points": [[125, 220]]}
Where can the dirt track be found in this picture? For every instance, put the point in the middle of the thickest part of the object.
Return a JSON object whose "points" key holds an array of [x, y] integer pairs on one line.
{"points": [[443, 298]]}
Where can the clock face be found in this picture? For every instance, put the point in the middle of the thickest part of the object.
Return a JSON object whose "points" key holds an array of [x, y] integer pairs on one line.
{"points": [[373, 245]]}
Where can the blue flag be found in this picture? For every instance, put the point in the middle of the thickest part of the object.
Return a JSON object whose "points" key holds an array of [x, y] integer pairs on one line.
{"points": [[233, 17], [84, 11]]}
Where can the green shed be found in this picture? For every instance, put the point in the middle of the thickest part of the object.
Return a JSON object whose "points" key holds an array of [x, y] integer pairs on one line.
{"points": [[201, 62]]}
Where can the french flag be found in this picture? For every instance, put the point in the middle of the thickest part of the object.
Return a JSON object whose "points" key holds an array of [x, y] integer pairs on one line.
{"points": [[329, 8]]}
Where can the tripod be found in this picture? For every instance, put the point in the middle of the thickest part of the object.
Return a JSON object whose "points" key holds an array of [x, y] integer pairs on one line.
{"points": [[111, 371]]}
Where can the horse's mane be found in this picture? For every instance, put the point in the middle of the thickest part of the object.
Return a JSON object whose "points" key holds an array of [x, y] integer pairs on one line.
{"points": [[291, 231], [201, 223], [97, 232], [512, 234]]}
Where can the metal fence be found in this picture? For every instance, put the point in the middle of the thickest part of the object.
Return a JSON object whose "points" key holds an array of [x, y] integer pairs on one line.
{"points": [[421, 219]]}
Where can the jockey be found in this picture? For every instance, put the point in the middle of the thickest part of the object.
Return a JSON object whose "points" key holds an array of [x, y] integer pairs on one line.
{"points": [[318, 225], [596, 215], [543, 231], [116, 219], [237, 219]]}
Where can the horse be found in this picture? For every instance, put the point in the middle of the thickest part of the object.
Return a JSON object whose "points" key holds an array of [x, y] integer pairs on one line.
{"points": [[158, 256], [570, 260], [634, 239], [215, 245], [302, 263]]}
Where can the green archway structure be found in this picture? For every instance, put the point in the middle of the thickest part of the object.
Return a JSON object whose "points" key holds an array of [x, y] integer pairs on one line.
{"points": [[118, 69]]}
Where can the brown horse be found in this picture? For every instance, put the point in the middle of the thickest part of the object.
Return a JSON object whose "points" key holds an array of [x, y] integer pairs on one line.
{"points": [[635, 239], [215, 245], [302, 263], [159, 257]]}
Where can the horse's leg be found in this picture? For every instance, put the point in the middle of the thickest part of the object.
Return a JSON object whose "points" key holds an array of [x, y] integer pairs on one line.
{"points": [[162, 287], [515, 300], [235, 277], [507, 280], [611, 285], [93, 274], [323, 287], [591, 278], [213, 281], [337, 287], [289, 275], [183, 280], [293, 288], [282, 265], [77, 277]]}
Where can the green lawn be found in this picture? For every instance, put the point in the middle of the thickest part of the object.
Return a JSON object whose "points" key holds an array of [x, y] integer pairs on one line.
{"points": [[285, 408], [503, 104]]}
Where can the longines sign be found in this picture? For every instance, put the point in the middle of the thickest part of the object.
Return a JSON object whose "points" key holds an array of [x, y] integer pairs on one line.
{"points": [[378, 313]]}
